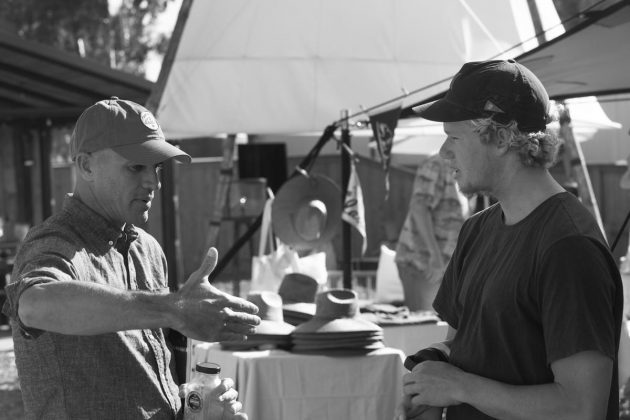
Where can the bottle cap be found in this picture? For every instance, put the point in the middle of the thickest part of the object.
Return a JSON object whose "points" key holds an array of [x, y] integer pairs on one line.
{"points": [[207, 367]]}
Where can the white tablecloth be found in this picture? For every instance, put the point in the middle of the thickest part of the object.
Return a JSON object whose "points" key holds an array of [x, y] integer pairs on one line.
{"points": [[278, 385]]}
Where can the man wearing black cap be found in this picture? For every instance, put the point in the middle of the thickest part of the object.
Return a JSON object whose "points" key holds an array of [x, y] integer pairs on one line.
{"points": [[89, 298], [532, 295]]}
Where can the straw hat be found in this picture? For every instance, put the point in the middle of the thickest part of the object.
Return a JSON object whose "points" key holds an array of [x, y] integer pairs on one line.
{"points": [[270, 312], [337, 311], [306, 211]]}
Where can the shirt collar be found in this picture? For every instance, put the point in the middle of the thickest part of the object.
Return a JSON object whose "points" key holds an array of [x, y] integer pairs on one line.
{"points": [[99, 229]]}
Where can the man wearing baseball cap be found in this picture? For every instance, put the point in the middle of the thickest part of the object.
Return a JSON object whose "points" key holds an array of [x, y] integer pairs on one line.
{"points": [[89, 301], [532, 295]]}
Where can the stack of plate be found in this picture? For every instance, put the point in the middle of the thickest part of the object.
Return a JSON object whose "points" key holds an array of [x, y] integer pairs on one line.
{"points": [[336, 327]]}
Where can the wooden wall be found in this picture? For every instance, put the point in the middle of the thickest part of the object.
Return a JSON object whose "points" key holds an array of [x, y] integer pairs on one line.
{"points": [[9, 202]]}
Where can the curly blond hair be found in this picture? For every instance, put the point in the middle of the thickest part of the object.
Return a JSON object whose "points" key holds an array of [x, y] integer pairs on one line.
{"points": [[538, 149]]}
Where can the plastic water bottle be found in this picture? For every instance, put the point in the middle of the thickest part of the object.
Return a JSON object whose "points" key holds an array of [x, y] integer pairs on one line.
{"points": [[200, 403]]}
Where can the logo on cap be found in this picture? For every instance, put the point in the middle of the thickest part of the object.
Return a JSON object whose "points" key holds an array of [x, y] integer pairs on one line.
{"points": [[148, 120], [492, 107]]}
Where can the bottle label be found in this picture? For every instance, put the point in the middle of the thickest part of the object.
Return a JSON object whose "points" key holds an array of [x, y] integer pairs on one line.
{"points": [[194, 402]]}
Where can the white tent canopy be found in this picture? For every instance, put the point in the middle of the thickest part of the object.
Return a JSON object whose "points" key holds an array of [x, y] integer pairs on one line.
{"points": [[591, 59], [290, 66]]}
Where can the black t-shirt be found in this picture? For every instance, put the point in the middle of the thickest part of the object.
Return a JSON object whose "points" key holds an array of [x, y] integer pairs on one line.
{"points": [[525, 295]]}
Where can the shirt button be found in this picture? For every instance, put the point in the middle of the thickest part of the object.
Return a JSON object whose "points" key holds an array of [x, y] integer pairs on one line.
{"points": [[111, 243]]}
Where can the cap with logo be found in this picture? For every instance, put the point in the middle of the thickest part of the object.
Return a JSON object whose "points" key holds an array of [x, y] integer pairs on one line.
{"points": [[129, 129], [502, 89]]}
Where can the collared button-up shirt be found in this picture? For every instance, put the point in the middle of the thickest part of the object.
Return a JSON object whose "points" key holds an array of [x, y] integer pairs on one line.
{"points": [[120, 375], [435, 188]]}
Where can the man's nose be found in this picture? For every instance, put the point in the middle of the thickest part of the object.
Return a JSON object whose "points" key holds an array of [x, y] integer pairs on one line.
{"points": [[151, 179], [445, 152]]}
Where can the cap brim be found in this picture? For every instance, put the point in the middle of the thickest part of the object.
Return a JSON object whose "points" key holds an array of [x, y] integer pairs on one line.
{"points": [[152, 152], [444, 111]]}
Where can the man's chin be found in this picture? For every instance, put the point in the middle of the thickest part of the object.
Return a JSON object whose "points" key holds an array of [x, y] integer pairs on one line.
{"points": [[139, 219], [467, 189]]}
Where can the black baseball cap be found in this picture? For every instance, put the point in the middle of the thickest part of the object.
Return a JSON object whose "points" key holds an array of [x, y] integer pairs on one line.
{"points": [[502, 89]]}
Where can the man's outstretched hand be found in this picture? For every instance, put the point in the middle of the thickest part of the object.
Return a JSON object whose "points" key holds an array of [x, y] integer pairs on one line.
{"points": [[205, 313]]}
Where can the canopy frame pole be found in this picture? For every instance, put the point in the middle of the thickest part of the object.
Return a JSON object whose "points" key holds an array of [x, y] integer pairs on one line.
{"points": [[578, 166], [226, 174], [346, 238]]}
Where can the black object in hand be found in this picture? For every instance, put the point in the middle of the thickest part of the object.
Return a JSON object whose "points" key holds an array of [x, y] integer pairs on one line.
{"points": [[429, 353]]}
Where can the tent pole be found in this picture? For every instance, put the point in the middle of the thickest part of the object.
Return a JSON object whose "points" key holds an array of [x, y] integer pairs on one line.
{"points": [[578, 165], [346, 263], [220, 199]]}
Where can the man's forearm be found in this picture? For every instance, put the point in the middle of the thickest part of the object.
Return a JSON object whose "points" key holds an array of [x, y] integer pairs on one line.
{"points": [[545, 401], [580, 390], [511, 402], [80, 308]]}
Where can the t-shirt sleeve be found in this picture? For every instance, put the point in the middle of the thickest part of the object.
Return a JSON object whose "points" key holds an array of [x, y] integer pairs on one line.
{"points": [[445, 303], [577, 288], [38, 268]]}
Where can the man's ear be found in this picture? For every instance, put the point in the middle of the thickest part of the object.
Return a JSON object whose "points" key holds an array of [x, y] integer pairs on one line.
{"points": [[503, 137], [84, 163]]}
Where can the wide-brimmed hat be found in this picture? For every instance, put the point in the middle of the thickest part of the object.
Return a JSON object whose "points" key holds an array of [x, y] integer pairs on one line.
{"points": [[306, 211], [270, 313], [298, 287], [337, 311], [298, 293], [127, 128], [502, 89]]}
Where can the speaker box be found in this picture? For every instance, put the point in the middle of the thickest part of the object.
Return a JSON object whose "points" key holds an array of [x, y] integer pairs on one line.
{"points": [[264, 160]]}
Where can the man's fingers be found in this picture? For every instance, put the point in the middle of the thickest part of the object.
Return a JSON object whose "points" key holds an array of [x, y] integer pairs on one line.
{"points": [[207, 266], [229, 396], [232, 317], [239, 328], [234, 407], [237, 304], [229, 336], [209, 262], [227, 383], [240, 416]]}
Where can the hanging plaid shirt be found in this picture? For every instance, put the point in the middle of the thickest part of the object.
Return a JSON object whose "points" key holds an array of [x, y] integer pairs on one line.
{"points": [[435, 188], [121, 375]]}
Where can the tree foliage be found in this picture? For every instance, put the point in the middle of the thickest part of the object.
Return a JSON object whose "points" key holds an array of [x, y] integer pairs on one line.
{"points": [[86, 28]]}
